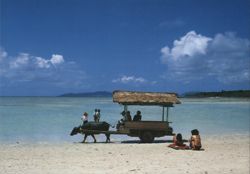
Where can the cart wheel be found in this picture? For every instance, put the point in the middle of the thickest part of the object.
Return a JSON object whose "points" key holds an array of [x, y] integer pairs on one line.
{"points": [[147, 137]]}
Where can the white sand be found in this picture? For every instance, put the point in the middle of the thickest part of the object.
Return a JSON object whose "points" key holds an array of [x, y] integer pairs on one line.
{"points": [[226, 154]]}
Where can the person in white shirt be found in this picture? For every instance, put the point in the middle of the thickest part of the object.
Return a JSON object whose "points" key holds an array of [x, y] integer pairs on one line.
{"points": [[85, 118]]}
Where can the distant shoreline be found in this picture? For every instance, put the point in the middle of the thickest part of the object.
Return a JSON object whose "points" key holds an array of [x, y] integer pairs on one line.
{"points": [[88, 94], [224, 94], [221, 94]]}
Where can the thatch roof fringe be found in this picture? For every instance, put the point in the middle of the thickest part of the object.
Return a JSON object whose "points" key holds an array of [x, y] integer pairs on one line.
{"points": [[145, 98]]}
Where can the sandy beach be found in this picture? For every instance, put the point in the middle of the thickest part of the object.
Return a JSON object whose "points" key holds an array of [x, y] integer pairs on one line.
{"points": [[227, 154]]}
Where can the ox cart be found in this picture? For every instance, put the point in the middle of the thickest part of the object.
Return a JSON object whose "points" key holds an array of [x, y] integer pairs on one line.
{"points": [[146, 131]]}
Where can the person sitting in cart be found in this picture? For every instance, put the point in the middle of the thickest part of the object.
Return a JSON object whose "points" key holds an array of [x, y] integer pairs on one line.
{"points": [[137, 116], [123, 113], [121, 121], [128, 116], [85, 118], [125, 117], [195, 140]]}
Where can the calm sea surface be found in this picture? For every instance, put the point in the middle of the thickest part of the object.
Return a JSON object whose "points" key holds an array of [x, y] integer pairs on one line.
{"points": [[50, 119]]}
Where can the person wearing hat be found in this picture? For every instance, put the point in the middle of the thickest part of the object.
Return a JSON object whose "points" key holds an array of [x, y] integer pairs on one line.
{"points": [[85, 118]]}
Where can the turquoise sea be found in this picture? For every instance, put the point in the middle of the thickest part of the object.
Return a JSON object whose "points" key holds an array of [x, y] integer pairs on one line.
{"points": [[50, 119]]}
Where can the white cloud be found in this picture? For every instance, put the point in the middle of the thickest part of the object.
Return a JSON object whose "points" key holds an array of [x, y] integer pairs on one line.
{"points": [[22, 60], [129, 79], [42, 63], [189, 45], [56, 59], [225, 57], [27, 68]]}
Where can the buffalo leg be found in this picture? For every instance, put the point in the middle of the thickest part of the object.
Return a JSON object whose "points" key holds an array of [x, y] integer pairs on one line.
{"points": [[85, 137], [107, 138], [93, 136]]}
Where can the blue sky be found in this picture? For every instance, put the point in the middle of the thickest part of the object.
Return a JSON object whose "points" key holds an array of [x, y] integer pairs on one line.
{"points": [[50, 47]]}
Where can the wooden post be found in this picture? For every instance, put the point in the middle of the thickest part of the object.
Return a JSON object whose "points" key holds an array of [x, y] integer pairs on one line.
{"points": [[163, 110], [125, 108], [167, 113]]}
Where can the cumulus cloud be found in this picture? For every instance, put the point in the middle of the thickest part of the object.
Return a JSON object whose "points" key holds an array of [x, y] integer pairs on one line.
{"points": [[56, 59], [225, 57], [42, 63], [129, 79], [191, 44], [24, 60], [27, 68]]}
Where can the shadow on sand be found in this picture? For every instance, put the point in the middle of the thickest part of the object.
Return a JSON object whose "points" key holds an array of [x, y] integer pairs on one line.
{"points": [[129, 142], [155, 141]]}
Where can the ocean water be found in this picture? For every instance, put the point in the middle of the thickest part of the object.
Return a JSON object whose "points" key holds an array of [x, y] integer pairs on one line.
{"points": [[50, 119]]}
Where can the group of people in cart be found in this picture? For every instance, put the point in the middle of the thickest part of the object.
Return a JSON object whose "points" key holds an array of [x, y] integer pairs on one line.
{"points": [[127, 116]]}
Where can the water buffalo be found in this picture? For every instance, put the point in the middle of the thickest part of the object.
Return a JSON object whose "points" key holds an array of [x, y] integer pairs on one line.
{"points": [[100, 126]]}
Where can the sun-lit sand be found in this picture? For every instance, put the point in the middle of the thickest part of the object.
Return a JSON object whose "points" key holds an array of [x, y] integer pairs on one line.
{"points": [[226, 154]]}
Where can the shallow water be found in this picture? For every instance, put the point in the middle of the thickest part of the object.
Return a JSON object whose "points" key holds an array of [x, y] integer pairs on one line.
{"points": [[50, 119]]}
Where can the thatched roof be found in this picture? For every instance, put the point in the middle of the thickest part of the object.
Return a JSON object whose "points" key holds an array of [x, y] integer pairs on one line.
{"points": [[145, 98]]}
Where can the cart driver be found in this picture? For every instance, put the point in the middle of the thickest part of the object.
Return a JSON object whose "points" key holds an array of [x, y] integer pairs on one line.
{"points": [[123, 113]]}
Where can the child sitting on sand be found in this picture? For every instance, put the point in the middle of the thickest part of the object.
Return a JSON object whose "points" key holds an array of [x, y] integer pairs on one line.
{"points": [[195, 140], [178, 143]]}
